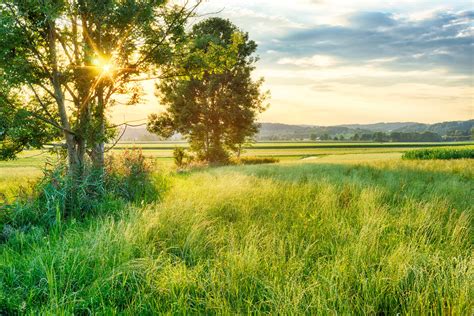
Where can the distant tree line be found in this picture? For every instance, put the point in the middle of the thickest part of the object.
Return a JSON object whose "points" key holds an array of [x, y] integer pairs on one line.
{"points": [[455, 135], [399, 137]]}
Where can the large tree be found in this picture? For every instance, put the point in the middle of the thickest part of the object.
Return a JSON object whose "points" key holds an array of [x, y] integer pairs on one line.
{"points": [[216, 110], [64, 62]]}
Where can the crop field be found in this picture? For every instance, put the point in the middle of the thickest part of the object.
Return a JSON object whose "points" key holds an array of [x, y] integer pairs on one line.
{"points": [[19, 173], [327, 230], [30, 164]]}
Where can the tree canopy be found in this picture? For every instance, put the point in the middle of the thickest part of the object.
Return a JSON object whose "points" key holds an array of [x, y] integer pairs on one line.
{"points": [[216, 111], [64, 63]]}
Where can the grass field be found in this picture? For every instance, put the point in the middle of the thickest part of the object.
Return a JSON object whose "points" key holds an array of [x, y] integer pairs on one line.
{"points": [[326, 231]]}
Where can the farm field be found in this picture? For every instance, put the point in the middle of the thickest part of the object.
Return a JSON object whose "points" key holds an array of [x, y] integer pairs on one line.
{"points": [[30, 161], [355, 231], [19, 173]]}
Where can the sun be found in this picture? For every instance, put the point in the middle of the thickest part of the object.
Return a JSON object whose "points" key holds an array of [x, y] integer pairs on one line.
{"points": [[105, 67]]}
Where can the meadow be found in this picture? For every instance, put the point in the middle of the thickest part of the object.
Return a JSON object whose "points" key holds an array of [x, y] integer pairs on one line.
{"points": [[325, 231]]}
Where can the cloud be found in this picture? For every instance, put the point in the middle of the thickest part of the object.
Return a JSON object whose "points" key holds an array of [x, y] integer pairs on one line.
{"points": [[320, 61], [372, 20], [443, 40], [339, 61]]}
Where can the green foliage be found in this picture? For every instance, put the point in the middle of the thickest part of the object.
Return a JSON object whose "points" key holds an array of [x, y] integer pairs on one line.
{"points": [[275, 239], [459, 135], [399, 137], [254, 160], [180, 156], [129, 178], [440, 153], [63, 63], [20, 128], [216, 109]]}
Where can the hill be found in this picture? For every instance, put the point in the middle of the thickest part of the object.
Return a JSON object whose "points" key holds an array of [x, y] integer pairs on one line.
{"points": [[438, 128], [382, 127], [278, 131], [275, 131]]}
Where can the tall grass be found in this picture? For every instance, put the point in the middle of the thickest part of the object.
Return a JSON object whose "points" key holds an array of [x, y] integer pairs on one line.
{"points": [[128, 178], [294, 239]]}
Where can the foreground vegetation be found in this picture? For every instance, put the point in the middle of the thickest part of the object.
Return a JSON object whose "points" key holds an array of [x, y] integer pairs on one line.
{"points": [[287, 238]]}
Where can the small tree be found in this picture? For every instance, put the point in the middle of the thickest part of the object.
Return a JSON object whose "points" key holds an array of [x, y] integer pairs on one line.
{"points": [[216, 111]]}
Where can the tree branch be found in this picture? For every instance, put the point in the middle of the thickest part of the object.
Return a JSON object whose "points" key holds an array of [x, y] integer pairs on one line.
{"points": [[117, 140], [64, 46], [168, 30], [45, 108], [74, 97]]}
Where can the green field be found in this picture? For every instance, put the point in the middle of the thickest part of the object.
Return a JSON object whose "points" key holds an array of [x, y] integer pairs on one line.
{"points": [[344, 230]]}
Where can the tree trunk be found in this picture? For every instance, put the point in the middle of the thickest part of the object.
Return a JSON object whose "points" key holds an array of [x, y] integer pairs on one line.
{"points": [[98, 151], [75, 159], [97, 156]]}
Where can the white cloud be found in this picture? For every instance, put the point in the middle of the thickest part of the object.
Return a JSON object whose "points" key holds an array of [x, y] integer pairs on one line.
{"points": [[320, 61]]}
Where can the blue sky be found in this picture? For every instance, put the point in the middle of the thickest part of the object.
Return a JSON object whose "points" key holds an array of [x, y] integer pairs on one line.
{"points": [[333, 62]]}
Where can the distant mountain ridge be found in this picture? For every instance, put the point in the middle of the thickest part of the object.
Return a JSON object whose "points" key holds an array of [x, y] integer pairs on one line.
{"points": [[285, 131], [279, 131], [382, 127]]}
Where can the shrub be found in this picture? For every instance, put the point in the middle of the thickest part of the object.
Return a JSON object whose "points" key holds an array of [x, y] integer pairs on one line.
{"points": [[179, 155], [128, 177], [254, 160], [439, 153], [55, 197]]}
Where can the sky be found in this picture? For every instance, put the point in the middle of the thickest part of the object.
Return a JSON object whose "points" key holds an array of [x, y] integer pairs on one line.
{"points": [[329, 62]]}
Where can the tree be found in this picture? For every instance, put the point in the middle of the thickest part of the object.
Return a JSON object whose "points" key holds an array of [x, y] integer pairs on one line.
{"points": [[64, 62], [325, 137], [366, 137], [380, 137], [215, 111]]}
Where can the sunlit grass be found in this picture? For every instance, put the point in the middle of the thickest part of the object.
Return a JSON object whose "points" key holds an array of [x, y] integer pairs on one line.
{"points": [[380, 237]]}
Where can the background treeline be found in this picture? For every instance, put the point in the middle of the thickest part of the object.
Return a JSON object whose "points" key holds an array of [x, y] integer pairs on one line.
{"points": [[403, 137], [408, 131], [384, 132]]}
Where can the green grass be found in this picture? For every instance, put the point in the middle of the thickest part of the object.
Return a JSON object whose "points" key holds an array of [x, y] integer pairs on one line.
{"points": [[381, 237], [17, 175]]}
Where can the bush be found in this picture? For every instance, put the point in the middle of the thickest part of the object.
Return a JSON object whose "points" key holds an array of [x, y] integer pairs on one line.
{"points": [[180, 156], [129, 175], [55, 197], [439, 153], [128, 178], [254, 160]]}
